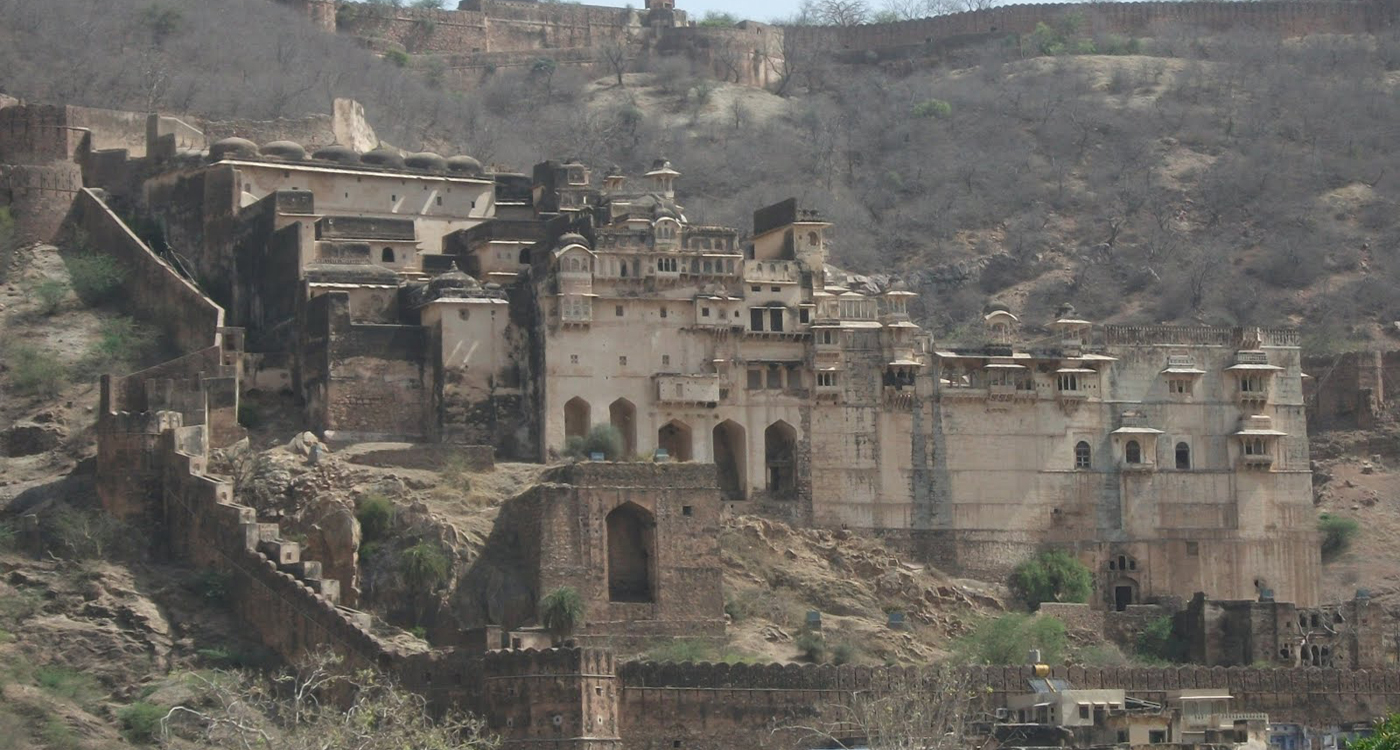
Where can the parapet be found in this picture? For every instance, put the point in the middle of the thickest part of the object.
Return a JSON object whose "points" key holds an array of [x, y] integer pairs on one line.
{"points": [[685, 475]]}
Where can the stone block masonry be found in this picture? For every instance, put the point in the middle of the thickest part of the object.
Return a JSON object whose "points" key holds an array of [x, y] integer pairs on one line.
{"points": [[152, 290]]}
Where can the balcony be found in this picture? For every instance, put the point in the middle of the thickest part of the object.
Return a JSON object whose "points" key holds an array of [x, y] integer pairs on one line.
{"points": [[688, 389], [1256, 461], [772, 272]]}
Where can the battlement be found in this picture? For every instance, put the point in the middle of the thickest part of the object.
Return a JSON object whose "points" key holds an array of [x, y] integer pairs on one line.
{"points": [[634, 474], [1166, 335]]}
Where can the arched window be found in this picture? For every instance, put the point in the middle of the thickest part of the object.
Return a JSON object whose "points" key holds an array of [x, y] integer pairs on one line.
{"points": [[813, 239], [1082, 455], [524, 257], [1133, 452], [1183, 456], [388, 255]]}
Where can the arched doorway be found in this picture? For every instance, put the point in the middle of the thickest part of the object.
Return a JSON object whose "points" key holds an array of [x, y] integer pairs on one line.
{"points": [[623, 415], [1125, 593], [780, 458], [576, 417], [731, 459], [674, 437], [631, 549]]}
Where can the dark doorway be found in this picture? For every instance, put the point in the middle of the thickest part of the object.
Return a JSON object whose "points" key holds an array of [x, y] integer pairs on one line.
{"points": [[630, 553], [1122, 597], [780, 454], [674, 436], [623, 415], [730, 455]]}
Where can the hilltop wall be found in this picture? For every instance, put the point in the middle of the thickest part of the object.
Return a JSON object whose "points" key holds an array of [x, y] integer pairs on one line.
{"points": [[1282, 17], [488, 26]]}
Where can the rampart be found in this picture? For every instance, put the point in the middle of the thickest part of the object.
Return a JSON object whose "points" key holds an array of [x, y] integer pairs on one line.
{"points": [[719, 705], [489, 26], [1288, 18], [153, 290]]}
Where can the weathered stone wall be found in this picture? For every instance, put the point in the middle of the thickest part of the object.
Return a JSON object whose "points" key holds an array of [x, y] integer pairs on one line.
{"points": [[151, 290], [489, 26], [714, 706], [363, 381], [1282, 17], [1348, 391]]}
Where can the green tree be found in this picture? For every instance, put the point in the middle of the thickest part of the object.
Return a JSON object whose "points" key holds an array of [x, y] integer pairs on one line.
{"points": [[375, 513], [1007, 640], [1384, 736], [561, 613], [1051, 576], [1157, 641]]}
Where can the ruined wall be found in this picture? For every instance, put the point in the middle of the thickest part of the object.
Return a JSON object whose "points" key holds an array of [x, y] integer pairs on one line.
{"points": [[152, 290], [363, 381], [488, 26], [1348, 391]]}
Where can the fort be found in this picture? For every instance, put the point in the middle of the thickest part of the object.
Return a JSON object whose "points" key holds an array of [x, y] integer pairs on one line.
{"points": [[479, 37], [427, 299]]}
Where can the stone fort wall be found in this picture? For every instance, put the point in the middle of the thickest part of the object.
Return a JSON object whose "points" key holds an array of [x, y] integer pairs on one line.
{"points": [[1282, 17], [485, 35]]}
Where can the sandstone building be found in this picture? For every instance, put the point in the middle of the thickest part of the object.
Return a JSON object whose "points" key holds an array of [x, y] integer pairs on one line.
{"points": [[418, 297]]}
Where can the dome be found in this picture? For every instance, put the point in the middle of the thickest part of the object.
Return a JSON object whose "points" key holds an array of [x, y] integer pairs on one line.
{"points": [[572, 238], [425, 160], [464, 164], [235, 147], [452, 282], [383, 157], [284, 150], [336, 153]]}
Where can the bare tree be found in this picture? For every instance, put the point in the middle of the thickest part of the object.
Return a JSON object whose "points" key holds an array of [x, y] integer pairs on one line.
{"points": [[927, 709], [320, 705], [616, 55], [841, 12]]}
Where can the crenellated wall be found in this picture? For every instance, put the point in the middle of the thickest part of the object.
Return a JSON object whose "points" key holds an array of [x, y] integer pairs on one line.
{"points": [[714, 706], [1283, 17]]}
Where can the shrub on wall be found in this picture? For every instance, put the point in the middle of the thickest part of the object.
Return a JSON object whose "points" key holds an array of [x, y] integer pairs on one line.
{"points": [[1051, 576], [1157, 642], [604, 439], [375, 513], [1337, 534], [396, 57], [561, 613]]}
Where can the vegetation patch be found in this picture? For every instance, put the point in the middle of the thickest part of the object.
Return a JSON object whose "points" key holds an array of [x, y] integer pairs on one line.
{"points": [[34, 370], [1008, 638], [96, 278], [1051, 576], [1337, 534]]}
